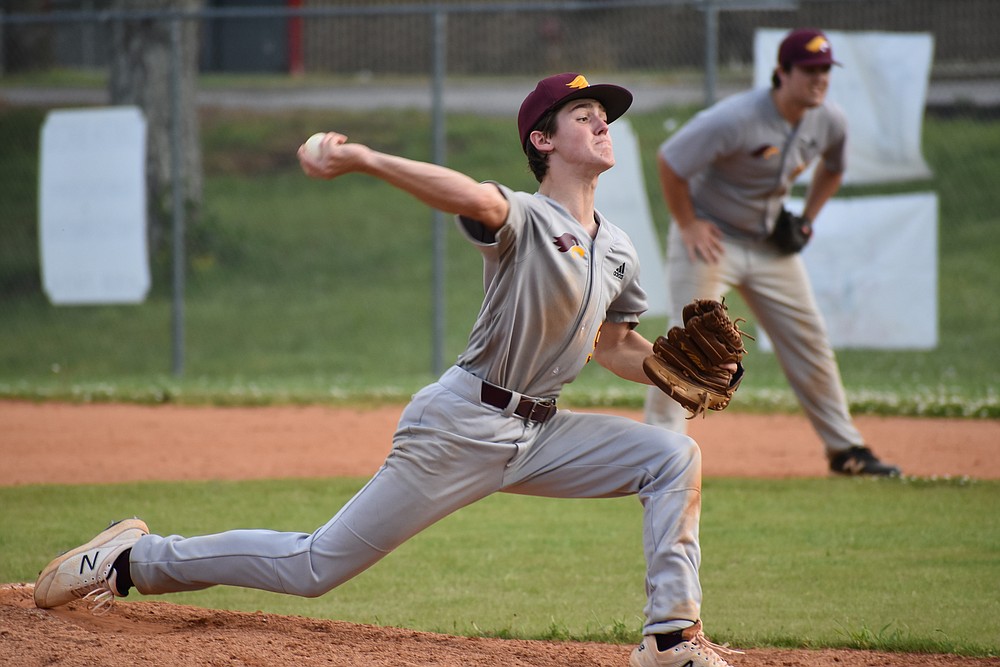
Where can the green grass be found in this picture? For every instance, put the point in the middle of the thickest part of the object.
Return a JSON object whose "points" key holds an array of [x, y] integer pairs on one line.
{"points": [[899, 565], [307, 291]]}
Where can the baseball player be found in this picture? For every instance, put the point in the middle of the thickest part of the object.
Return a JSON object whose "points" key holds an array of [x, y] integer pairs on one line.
{"points": [[561, 286], [725, 175]]}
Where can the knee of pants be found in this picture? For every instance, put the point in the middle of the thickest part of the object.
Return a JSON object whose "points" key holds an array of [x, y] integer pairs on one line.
{"points": [[316, 577], [326, 563], [679, 465]]}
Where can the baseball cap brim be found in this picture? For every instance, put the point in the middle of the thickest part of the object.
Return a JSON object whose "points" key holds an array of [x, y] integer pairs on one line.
{"points": [[615, 99], [821, 60]]}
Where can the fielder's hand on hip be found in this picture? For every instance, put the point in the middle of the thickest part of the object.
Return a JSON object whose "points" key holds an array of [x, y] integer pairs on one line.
{"points": [[703, 241]]}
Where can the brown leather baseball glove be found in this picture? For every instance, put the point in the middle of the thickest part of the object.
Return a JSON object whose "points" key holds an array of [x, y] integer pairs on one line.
{"points": [[687, 363]]}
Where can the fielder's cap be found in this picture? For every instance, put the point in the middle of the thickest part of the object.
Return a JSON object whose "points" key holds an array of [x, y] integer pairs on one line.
{"points": [[806, 47], [554, 91]]}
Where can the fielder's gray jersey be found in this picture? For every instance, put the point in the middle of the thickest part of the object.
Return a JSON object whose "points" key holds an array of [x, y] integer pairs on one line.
{"points": [[741, 157], [539, 323]]}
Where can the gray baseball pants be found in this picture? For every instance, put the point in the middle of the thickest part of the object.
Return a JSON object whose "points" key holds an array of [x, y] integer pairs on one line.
{"points": [[449, 451], [776, 287]]}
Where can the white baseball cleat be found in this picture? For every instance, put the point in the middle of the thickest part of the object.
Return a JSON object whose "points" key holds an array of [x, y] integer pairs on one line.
{"points": [[87, 572], [693, 651]]}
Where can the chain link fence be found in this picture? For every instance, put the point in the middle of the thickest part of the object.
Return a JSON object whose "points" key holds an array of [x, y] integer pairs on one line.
{"points": [[492, 38], [478, 57]]}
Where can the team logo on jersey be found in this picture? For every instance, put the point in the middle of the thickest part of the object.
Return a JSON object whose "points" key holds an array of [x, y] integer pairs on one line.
{"points": [[766, 152], [569, 243]]}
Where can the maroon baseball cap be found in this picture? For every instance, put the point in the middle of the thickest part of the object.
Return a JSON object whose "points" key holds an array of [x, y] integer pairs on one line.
{"points": [[554, 91], [806, 47]]}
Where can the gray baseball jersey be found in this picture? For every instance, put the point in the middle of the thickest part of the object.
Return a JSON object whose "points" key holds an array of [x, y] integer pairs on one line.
{"points": [[538, 325], [740, 158]]}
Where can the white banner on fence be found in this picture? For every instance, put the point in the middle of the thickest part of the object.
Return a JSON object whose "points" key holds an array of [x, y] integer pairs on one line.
{"points": [[882, 88], [92, 206], [873, 267], [621, 197]]}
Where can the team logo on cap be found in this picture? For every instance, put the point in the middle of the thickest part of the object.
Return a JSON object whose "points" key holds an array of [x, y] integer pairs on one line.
{"points": [[818, 44], [579, 82]]}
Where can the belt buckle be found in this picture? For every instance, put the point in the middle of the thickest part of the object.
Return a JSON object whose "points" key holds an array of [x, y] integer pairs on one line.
{"points": [[546, 408]]}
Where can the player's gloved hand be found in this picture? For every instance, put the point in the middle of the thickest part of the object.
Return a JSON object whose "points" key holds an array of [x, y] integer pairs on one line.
{"points": [[791, 232], [698, 365]]}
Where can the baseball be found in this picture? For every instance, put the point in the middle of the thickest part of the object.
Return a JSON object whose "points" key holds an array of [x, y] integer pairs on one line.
{"points": [[314, 145]]}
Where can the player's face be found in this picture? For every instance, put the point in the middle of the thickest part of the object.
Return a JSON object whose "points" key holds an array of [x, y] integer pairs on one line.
{"points": [[807, 85], [582, 134]]}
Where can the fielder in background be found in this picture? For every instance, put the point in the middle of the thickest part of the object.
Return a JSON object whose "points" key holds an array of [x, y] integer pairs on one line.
{"points": [[725, 175], [561, 286]]}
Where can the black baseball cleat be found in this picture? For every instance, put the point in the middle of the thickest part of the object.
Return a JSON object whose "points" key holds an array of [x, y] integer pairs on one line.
{"points": [[860, 461]]}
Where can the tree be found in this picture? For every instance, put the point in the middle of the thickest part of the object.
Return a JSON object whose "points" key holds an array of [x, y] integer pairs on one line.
{"points": [[142, 74]]}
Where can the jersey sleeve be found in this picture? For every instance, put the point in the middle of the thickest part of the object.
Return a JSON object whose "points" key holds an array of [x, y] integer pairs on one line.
{"points": [[483, 238], [632, 301], [493, 246], [706, 137], [630, 316], [629, 305], [474, 231]]}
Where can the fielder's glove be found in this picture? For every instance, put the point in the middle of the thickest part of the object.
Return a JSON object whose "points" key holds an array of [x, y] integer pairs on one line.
{"points": [[687, 363], [791, 232]]}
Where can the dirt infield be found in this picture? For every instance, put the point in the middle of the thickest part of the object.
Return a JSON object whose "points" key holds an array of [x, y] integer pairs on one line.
{"points": [[41, 443]]}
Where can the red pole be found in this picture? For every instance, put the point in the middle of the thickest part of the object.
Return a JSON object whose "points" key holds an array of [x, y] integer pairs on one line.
{"points": [[296, 66]]}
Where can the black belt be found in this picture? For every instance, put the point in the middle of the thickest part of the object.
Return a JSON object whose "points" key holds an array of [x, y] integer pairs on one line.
{"points": [[529, 409]]}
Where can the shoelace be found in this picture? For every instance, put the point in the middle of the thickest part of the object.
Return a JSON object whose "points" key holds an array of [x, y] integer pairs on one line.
{"points": [[100, 600], [701, 641]]}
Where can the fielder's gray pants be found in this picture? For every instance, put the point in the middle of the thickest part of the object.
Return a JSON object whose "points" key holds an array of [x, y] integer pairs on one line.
{"points": [[776, 288], [449, 451]]}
